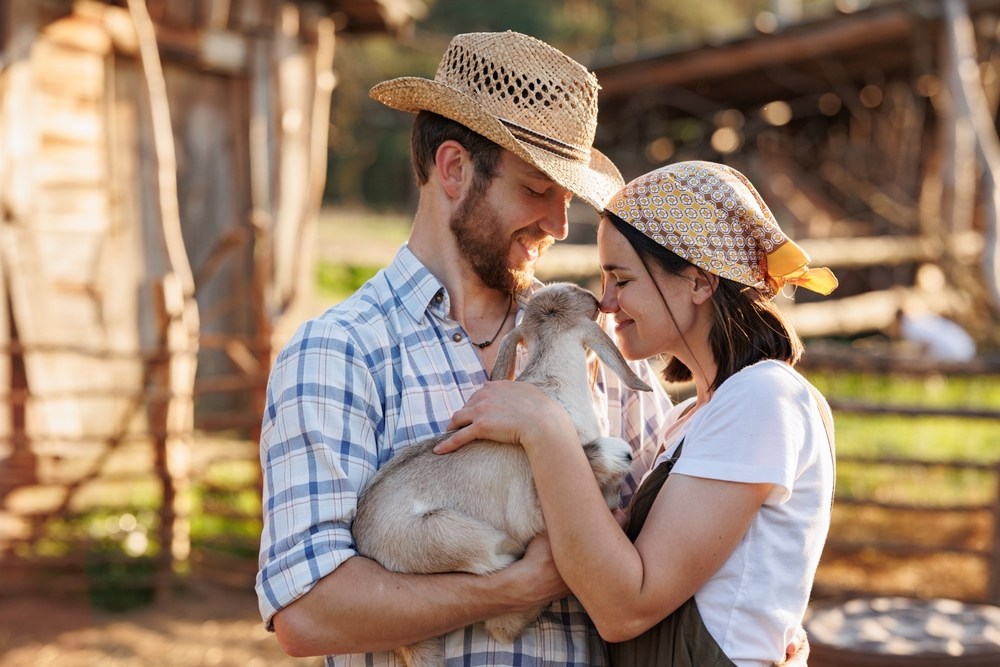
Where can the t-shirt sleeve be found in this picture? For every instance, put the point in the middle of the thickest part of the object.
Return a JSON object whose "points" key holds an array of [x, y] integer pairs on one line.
{"points": [[753, 431]]}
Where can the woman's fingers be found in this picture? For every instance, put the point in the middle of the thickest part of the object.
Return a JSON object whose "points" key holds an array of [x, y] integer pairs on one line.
{"points": [[454, 441]]}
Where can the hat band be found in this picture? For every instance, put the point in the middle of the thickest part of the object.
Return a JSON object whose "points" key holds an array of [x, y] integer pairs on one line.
{"points": [[546, 143]]}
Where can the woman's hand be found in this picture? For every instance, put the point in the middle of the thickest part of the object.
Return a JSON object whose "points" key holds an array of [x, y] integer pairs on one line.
{"points": [[797, 652], [518, 413]]}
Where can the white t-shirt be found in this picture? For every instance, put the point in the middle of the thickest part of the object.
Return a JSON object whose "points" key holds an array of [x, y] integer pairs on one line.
{"points": [[763, 426]]}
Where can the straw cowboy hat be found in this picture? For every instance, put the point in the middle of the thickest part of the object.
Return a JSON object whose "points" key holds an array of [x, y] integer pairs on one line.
{"points": [[524, 95]]}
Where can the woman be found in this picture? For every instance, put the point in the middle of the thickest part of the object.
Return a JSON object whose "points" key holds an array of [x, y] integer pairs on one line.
{"points": [[721, 544]]}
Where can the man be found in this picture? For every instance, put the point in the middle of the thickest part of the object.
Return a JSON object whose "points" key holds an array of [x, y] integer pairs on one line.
{"points": [[501, 142]]}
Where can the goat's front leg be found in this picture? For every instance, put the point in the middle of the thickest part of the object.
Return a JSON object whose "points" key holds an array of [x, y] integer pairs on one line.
{"points": [[611, 460]]}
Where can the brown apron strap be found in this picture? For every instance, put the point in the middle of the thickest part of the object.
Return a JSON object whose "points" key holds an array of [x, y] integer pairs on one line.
{"points": [[827, 415], [681, 639], [643, 499]]}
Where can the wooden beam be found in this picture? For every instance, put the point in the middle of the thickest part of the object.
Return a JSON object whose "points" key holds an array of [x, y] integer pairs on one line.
{"points": [[856, 314], [821, 39], [223, 51], [579, 261], [824, 356], [756, 53], [973, 111]]}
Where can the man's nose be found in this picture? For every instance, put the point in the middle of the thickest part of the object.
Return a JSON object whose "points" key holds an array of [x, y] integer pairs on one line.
{"points": [[556, 222]]}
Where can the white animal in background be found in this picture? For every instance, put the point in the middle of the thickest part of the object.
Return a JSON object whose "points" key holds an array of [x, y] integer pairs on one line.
{"points": [[476, 509]]}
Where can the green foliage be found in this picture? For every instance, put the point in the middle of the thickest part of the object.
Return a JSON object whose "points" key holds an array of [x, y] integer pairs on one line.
{"points": [[921, 437], [227, 520], [931, 438], [118, 550], [336, 282], [369, 143], [118, 582], [449, 17]]}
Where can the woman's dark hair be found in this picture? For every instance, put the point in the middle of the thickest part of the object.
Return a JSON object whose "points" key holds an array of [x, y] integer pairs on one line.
{"points": [[430, 130], [746, 325]]}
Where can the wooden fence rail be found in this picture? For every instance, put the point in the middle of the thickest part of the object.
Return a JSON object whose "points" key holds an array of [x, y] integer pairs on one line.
{"points": [[988, 552]]}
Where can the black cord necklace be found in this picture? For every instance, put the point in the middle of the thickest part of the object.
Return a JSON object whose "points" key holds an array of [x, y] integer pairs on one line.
{"points": [[486, 343]]}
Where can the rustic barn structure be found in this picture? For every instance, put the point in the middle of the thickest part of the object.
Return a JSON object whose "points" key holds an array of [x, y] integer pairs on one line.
{"points": [[871, 132], [161, 170]]}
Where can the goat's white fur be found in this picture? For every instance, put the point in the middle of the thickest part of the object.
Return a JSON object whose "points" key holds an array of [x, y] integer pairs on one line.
{"points": [[475, 510]]}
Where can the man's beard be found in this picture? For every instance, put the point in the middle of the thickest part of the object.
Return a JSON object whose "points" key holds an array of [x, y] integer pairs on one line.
{"points": [[475, 225]]}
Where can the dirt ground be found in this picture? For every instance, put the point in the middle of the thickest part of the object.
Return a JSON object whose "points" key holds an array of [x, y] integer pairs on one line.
{"points": [[202, 625], [214, 625]]}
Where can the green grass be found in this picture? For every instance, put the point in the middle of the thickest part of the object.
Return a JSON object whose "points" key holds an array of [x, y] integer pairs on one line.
{"points": [[336, 282], [934, 391], [352, 247], [923, 437], [918, 437]]}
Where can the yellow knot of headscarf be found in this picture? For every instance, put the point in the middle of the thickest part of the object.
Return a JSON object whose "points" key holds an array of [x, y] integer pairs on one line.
{"points": [[712, 216]]}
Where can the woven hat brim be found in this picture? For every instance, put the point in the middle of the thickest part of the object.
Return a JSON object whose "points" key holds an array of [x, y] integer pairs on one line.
{"points": [[594, 183]]}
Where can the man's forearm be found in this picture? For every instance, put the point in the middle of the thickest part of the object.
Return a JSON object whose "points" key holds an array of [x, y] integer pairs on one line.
{"points": [[361, 607]]}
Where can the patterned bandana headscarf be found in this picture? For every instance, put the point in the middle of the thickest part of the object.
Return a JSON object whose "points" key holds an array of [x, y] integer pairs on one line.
{"points": [[712, 216]]}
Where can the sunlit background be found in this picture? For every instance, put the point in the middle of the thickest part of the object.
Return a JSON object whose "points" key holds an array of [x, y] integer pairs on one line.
{"points": [[182, 183]]}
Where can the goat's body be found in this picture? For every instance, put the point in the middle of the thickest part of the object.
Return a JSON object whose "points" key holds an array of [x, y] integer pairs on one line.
{"points": [[450, 512], [476, 509]]}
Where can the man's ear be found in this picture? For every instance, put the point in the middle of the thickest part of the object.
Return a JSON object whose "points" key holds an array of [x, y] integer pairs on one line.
{"points": [[453, 168]]}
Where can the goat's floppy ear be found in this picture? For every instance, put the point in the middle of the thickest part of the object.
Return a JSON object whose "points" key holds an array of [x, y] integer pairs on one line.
{"points": [[599, 341], [503, 367]]}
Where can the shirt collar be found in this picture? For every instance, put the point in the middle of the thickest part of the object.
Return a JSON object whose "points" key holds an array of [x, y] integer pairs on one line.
{"points": [[415, 286]]}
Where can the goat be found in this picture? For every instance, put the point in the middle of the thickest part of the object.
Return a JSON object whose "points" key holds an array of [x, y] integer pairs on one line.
{"points": [[476, 509]]}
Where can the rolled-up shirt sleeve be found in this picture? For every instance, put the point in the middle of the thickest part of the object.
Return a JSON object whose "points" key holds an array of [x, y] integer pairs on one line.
{"points": [[318, 449]]}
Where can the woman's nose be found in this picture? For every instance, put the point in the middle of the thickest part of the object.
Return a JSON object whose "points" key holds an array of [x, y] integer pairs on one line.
{"points": [[608, 303]]}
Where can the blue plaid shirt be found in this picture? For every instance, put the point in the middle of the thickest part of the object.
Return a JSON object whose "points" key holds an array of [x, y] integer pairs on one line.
{"points": [[377, 373]]}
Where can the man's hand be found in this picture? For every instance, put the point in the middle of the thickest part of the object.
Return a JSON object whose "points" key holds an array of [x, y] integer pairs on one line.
{"points": [[537, 571]]}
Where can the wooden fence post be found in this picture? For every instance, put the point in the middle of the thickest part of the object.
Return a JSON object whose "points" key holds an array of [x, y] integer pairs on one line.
{"points": [[993, 565], [173, 417], [170, 383]]}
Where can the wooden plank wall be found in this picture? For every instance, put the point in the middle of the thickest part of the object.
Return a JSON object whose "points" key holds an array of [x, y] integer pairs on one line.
{"points": [[107, 209]]}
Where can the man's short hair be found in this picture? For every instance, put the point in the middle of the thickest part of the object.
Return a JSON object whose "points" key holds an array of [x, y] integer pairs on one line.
{"points": [[430, 130]]}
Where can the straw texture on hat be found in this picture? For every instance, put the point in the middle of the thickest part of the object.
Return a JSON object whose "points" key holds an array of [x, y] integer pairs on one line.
{"points": [[524, 95], [712, 216]]}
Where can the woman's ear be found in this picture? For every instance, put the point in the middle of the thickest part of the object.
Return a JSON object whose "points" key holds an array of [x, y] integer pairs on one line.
{"points": [[452, 167], [703, 286]]}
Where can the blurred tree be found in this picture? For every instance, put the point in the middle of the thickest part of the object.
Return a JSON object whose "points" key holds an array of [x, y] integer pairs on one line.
{"points": [[369, 143], [369, 162]]}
